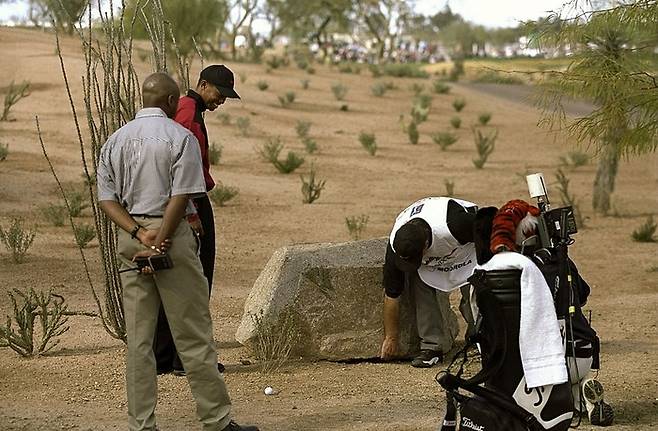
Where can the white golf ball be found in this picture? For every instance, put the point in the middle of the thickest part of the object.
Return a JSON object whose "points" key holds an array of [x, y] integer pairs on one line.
{"points": [[269, 390]]}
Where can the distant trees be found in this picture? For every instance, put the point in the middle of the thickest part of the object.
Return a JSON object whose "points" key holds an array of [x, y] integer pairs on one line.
{"points": [[64, 13]]}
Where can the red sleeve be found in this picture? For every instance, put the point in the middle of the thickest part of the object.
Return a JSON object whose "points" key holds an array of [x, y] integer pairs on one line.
{"points": [[185, 113]]}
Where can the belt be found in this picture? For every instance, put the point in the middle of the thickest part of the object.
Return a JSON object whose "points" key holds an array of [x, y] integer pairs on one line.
{"points": [[146, 215]]}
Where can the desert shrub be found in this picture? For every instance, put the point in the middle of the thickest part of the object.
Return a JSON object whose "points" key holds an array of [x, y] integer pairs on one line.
{"points": [[77, 203], [419, 113], [402, 70], [275, 338], [215, 153], [369, 142], [378, 89], [13, 95], [417, 88], [412, 133], [222, 194], [83, 234], [304, 83], [645, 232], [270, 152], [484, 144], [450, 187], [344, 107], [459, 104], [54, 214], [243, 77], [225, 118], [569, 198], [390, 85], [311, 187], [444, 139], [356, 225], [274, 62], [492, 77], [17, 239], [310, 70], [310, 145], [574, 159], [302, 128], [262, 85], [349, 68], [441, 87], [456, 122], [4, 151], [484, 118], [50, 308], [287, 99], [244, 125], [423, 100], [375, 70], [339, 90]]}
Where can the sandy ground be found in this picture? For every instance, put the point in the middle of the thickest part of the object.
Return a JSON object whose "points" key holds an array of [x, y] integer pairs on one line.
{"points": [[80, 385]]}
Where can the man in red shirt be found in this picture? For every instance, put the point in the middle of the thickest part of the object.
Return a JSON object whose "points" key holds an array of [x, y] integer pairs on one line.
{"points": [[215, 85]]}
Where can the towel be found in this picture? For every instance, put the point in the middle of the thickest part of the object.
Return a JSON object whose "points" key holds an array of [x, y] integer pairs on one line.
{"points": [[540, 341]]}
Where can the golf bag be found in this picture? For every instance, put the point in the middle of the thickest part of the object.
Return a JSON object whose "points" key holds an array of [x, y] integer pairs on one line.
{"points": [[497, 398]]}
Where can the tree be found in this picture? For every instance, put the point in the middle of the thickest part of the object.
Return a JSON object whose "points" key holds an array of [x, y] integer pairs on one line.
{"points": [[65, 14], [239, 12], [613, 66], [384, 20]]}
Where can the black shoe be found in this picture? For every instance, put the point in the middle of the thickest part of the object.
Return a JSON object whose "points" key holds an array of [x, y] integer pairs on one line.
{"points": [[600, 413], [232, 426], [427, 359]]}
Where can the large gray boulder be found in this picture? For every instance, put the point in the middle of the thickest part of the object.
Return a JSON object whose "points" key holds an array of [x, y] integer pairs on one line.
{"points": [[335, 293]]}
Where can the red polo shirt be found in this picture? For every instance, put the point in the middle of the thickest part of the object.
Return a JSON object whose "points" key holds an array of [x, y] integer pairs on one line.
{"points": [[190, 115]]}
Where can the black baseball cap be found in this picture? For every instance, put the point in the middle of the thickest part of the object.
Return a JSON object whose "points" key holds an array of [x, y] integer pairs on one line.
{"points": [[409, 244], [221, 77]]}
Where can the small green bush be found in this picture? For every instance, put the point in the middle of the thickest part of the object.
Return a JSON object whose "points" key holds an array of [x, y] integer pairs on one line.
{"points": [[412, 133], [417, 88], [339, 90], [17, 239], [55, 214], [215, 153], [222, 194], [419, 113], [401, 70], [287, 99], [77, 203], [423, 100], [378, 89], [646, 231], [369, 142], [356, 225], [441, 87], [305, 83], [574, 159], [13, 95], [484, 118], [491, 77], [310, 145], [4, 151], [262, 85], [225, 118], [244, 125], [444, 139], [274, 62], [459, 104], [310, 70], [311, 187], [270, 152], [484, 144], [344, 107], [83, 234], [456, 122], [349, 68], [302, 128]]}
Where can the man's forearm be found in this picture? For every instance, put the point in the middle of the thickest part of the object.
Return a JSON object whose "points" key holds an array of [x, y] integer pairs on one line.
{"points": [[391, 317], [174, 213], [118, 215]]}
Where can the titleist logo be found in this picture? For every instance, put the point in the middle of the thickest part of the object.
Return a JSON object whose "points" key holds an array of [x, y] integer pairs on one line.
{"points": [[466, 422]]}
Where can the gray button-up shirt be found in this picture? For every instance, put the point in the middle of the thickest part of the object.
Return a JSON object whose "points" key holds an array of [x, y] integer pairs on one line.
{"points": [[147, 161]]}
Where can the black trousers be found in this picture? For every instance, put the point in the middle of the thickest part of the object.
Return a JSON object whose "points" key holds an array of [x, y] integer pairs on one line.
{"points": [[164, 349]]}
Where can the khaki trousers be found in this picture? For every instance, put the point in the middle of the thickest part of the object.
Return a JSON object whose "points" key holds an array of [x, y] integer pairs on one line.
{"points": [[183, 292]]}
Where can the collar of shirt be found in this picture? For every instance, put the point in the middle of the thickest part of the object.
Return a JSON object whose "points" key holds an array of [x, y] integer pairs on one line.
{"points": [[200, 104], [150, 112]]}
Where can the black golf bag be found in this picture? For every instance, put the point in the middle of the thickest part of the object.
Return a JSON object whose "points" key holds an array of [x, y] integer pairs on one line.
{"points": [[497, 398]]}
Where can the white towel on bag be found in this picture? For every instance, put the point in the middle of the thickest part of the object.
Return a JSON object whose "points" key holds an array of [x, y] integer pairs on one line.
{"points": [[540, 341]]}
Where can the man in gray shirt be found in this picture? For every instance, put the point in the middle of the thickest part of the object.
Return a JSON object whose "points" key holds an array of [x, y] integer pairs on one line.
{"points": [[147, 172]]}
